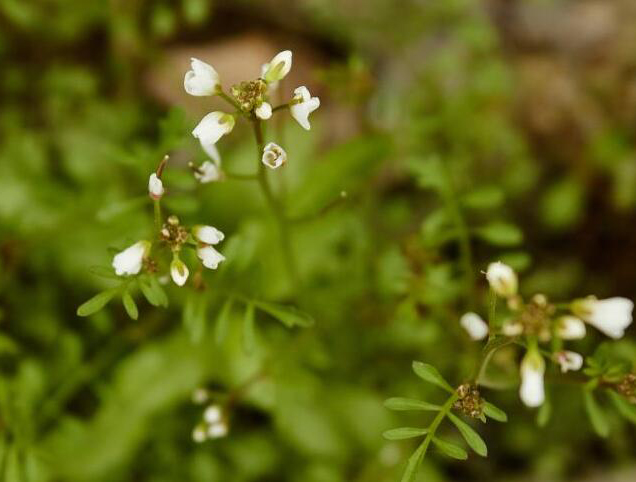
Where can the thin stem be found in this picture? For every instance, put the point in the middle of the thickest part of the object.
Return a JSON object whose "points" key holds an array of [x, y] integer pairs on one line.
{"points": [[228, 99], [280, 107], [157, 208], [275, 206], [421, 450]]}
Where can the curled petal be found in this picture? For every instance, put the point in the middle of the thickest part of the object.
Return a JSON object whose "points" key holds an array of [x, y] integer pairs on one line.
{"points": [[212, 127], [302, 105], [207, 234], [210, 257], [130, 260]]}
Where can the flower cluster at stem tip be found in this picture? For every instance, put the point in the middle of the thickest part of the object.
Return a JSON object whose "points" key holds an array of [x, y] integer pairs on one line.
{"points": [[250, 100], [539, 321], [214, 423]]}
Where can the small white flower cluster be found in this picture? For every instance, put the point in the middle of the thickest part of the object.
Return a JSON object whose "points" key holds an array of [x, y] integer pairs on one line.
{"points": [[251, 100], [214, 424], [130, 261], [535, 320]]}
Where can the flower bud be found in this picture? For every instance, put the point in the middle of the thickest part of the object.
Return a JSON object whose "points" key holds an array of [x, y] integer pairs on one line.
{"points": [[502, 279], [532, 369], [212, 414], [570, 328], [476, 327], [278, 67], [155, 187], [263, 111], [611, 316], [179, 271]]}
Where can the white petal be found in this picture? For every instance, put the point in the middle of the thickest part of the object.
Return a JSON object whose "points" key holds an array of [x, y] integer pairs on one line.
{"points": [[532, 390], [302, 105], [199, 434], [212, 127], [278, 67], [264, 111], [212, 414], [130, 260], [611, 316], [570, 328], [207, 172], [212, 151], [476, 327], [210, 257], [208, 234], [201, 80], [502, 279], [512, 328], [217, 430], [179, 272], [569, 360], [155, 186]]}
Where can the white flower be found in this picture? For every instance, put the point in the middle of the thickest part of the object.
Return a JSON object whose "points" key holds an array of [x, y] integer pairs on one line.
{"points": [[199, 434], [502, 279], [532, 369], [179, 271], [476, 327], [207, 234], [274, 156], [512, 328], [212, 414], [212, 151], [155, 187], [212, 127], [302, 105], [207, 172], [130, 260], [263, 111], [570, 328], [201, 80], [210, 257], [568, 360], [278, 67], [217, 430], [611, 316], [200, 395]]}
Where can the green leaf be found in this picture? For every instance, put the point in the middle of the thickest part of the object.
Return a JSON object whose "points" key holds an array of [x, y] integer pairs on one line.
{"points": [[223, 321], [544, 414], [597, 417], [495, 413], [404, 432], [248, 329], [414, 462], [625, 408], [103, 272], [287, 315], [153, 291], [399, 403], [499, 233], [430, 374], [450, 449], [472, 438], [130, 305], [487, 197], [97, 302]]}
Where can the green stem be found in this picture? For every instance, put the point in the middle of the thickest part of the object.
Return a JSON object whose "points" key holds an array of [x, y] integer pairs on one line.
{"points": [[423, 447], [158, 223], [228, 99], [275, 206]]}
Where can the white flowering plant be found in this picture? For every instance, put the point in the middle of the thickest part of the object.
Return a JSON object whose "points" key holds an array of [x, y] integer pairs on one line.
{"points": [[277, 249]]}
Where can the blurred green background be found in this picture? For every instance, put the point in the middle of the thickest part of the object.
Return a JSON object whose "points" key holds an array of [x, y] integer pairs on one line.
{"points": [[529, 106]]}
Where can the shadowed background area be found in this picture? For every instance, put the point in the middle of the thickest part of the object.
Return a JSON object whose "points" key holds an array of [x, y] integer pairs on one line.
{"points": [[531, 104]]}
